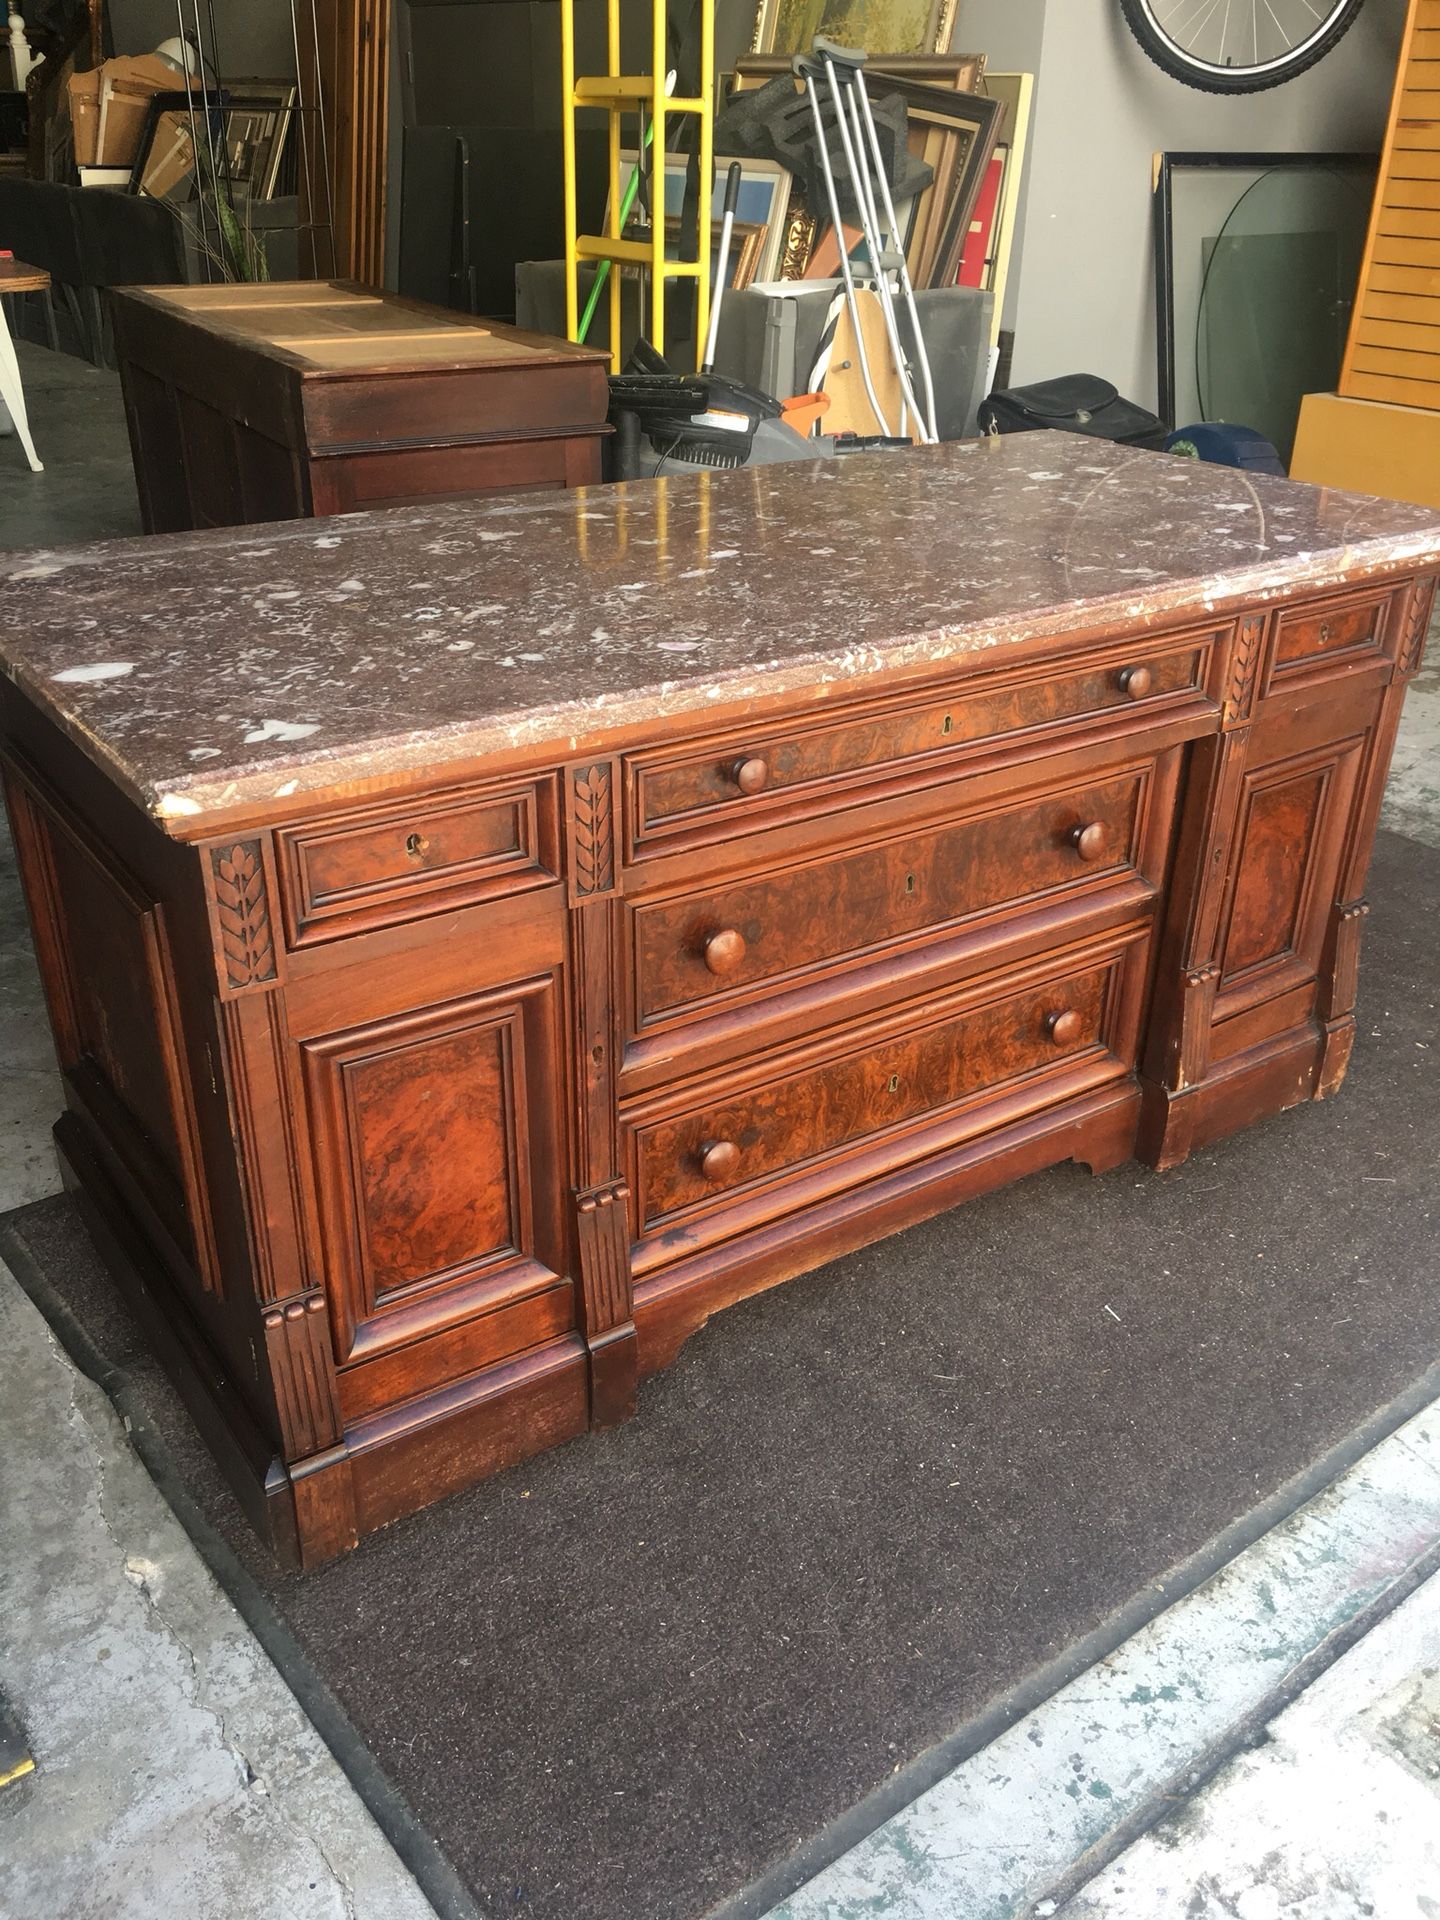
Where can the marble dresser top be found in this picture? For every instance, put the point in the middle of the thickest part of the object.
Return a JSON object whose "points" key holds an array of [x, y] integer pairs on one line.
{"points": [[243, 667]]}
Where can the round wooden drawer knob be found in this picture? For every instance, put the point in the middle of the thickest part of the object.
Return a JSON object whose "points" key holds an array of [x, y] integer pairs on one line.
{"points": [[719, 1160], [724, 950], [1137, 682], [1064, 1028], [1089, 842], [751, 776]]}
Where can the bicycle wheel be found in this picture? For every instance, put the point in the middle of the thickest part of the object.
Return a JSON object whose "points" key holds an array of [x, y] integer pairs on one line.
{"points": [[1237, 46]]}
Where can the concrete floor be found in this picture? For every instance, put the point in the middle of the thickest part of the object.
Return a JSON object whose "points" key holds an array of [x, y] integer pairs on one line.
{"points": [[1333, 1816], [176, 1773]]}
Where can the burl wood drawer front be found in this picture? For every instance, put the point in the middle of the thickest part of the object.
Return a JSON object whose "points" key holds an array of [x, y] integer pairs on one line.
{"points": [[863, 1100], [1318, 642], [691, 951], [378, 867], [740, 783]]}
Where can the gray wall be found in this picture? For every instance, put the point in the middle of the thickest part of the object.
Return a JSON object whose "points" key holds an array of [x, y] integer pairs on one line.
{"points": [[255, 37], [1082, 295]]}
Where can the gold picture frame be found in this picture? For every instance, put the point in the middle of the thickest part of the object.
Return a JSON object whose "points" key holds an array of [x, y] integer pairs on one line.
{"points": [[747, 238], [897, 26], [961, 72]]}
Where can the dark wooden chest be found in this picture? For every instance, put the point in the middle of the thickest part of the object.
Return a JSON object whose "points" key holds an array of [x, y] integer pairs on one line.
{"points": [[276, 401]]}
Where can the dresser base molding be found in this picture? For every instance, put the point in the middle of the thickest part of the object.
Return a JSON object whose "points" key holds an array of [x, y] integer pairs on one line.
{"points": [[318, 1507], [1098, 1129], [1267, 1078]]}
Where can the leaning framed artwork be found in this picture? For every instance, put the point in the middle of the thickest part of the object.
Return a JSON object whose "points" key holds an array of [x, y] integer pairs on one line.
{"points": [[892, 26], [764, 197]]}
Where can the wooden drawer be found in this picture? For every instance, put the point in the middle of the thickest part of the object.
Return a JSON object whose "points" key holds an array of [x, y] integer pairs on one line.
{"points": [[381, 866], [741, 783], [860, 1100], [698, 949], [1317, 642]]}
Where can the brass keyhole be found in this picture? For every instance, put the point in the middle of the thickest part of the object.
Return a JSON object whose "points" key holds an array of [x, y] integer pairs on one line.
{"points": [[415, 845], [894, 1083], [909, 883], [1324, 632], [947, 725]]}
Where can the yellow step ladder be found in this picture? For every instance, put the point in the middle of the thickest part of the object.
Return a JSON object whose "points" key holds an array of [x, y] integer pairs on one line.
{"points": [[621, 94]]}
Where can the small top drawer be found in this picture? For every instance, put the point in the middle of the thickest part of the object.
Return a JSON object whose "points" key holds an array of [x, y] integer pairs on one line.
{"points": [[1317, 642], [377, 867], [732, 787]]}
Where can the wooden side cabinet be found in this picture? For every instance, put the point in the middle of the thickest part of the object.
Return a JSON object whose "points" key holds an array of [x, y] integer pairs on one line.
{"points": [[283, 400]]}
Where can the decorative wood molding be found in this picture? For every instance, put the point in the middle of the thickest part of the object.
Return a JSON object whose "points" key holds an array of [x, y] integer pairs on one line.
{"points": [[1244, 669], [590, 792], [602, 1219], [1417, 625], [602, 1223], [1197, 1011], [262, 1123], [323, 1488], [595, 993], [240, 890], [302, 1370], [1342, 979]]}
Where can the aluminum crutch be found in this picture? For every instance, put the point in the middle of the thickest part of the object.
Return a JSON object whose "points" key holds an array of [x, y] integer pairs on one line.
{"points": [[902, 265], [845, 70], [807, 70], [869, 221]]}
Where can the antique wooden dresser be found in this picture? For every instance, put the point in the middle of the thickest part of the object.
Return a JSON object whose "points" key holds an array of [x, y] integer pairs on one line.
{"points": [[484, 939], [279, 400]]}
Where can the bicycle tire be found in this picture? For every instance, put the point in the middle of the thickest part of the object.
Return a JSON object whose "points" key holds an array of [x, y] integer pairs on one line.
{"points": [[1212, 79]]}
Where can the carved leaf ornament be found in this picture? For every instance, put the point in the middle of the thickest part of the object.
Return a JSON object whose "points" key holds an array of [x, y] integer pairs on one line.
{"points": [[244, 915]]}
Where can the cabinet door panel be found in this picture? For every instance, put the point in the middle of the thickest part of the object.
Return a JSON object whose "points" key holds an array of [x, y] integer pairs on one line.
{"points": [[435, 1162], [1290, 835], [1277, 842], [116, 1024]]}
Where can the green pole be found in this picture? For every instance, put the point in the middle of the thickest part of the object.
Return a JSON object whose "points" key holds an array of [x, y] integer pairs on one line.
{"points": [[626, 203]]}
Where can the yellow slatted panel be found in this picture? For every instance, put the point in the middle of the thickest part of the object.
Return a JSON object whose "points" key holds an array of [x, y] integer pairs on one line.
{"points": [[1409, 308], [1421, 280], [1400, 393], [1395, 326], [1421, 337], [1394, 360], [1398, 250], [1411, 193], [1414, 223], [1413, 164]]}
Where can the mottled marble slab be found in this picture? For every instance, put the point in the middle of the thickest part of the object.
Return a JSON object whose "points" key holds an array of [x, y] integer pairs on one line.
{"points": [[212, 671]]}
